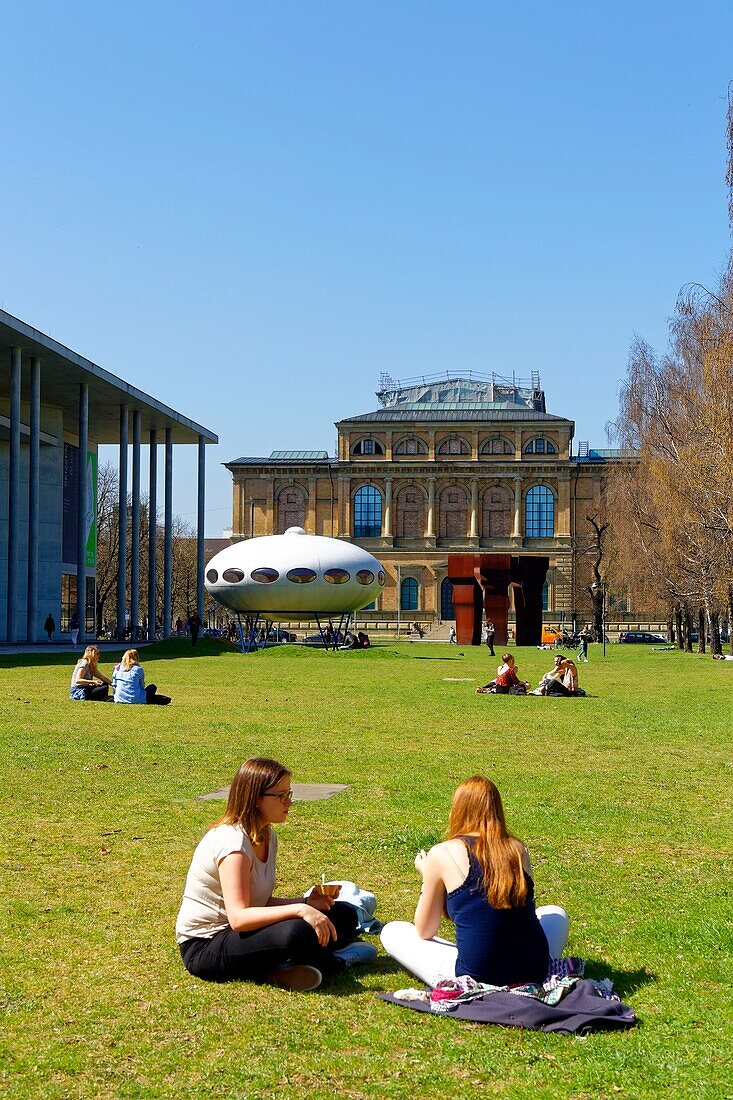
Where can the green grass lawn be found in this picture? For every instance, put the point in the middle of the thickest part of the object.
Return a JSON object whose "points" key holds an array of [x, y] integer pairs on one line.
{"points": [[624, 799]]}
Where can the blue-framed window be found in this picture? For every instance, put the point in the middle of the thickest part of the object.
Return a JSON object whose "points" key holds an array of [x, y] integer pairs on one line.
{"points": [[367, 513], [408, 594], [539, 513], [546, 596]]}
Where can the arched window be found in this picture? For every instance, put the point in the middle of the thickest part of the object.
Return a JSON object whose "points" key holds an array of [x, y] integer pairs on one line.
{"points": [[410, 445], [408, 594], [453, 445], [540, 446], [291, 505], [368, 447], [497, 513], [539, 513], [367, 513], [410, 513], [453, 513], [496, 445], [447, 611]]}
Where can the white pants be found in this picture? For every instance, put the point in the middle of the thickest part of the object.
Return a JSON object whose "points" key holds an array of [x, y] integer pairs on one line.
{"points": [[431, 960], [74, 635]]}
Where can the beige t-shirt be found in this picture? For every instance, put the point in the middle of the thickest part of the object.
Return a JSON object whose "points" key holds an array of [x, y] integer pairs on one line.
{"points": [[202, 913]]}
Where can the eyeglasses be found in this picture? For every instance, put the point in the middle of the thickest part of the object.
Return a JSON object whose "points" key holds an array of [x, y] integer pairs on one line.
{"points": [[285, 797]]}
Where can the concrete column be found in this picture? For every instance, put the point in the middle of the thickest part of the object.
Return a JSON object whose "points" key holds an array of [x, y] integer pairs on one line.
{"points": [[168, 534], [122, 520], [431, 508], [152, 534], [34, 469], [16, 357], [135, 532], [517, 528], [83, 505], [200, 520], [474, 509], [387, 507]]}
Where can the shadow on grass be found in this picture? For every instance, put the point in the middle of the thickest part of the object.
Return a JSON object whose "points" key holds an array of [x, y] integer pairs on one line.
{"points": [[456, 658], [171, 649], [349, 983], [625, 982]]}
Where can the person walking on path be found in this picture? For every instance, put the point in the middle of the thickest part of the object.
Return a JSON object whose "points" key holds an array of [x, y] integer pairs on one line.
{"points": [[194, 625], [585, 636], [49, 626], [74, 628], [452, 636], [490, 632]]}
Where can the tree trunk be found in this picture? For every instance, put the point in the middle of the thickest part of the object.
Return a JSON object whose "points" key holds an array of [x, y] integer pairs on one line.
{"points": [[730, 619], [680, 642], [671, 633], [688, 628], [716, 648], [701, 629]]}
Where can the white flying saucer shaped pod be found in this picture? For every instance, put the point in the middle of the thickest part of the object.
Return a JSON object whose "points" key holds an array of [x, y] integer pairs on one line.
{"points": [[294, 574]]}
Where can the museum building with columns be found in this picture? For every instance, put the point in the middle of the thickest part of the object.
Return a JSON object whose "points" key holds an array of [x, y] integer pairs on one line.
{"points": [[448, 464], [56, 408]]}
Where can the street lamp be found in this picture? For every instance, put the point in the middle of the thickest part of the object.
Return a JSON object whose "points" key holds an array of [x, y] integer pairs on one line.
{"points": [[595, 587]]}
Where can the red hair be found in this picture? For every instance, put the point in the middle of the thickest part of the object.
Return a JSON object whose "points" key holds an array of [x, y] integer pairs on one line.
{"points": [[477, 810]]}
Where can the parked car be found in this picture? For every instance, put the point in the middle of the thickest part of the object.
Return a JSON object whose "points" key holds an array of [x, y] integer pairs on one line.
{"points": [[277, 634], [645, 636]]}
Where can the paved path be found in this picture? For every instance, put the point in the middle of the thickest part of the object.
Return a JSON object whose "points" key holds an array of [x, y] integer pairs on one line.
{"points": [[303, 792]]}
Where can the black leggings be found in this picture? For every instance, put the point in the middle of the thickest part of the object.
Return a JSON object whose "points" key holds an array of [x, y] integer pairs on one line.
{"points": [[556, 687], [151, 697], [237, 956], [98, 693]]}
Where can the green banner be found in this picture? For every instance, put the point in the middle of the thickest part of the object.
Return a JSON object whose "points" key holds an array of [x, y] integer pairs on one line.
{"points": [[91, 516]]}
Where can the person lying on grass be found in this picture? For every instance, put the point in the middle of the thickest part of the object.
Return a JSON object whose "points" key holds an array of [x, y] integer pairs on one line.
{"points": [[480, 878], [507, 681], [231, 927], [128, 682]]}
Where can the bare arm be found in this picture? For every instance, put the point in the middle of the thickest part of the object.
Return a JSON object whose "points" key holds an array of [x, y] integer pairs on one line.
{"points": [[234, 872], [432, 895]]}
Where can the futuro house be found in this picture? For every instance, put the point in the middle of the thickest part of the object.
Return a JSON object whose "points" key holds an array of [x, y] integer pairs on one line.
{"points": [[294, 575]]}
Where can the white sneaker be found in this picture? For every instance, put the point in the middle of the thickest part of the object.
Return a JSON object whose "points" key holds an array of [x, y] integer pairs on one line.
{"points": [[356, 954]]}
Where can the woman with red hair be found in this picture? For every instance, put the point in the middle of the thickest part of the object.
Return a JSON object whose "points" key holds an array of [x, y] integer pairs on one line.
{"points": [[480, 877]]}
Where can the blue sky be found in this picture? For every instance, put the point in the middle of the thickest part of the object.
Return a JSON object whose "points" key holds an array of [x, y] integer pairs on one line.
{"points": [[251, 210]]}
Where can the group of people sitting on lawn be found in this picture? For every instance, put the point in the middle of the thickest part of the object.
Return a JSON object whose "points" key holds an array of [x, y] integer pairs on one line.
{"points": [[561, 680], [231, 927], [89, 683]]}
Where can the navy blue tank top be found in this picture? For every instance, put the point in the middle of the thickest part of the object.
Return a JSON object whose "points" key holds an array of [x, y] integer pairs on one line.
{"points": [[498, 946]]}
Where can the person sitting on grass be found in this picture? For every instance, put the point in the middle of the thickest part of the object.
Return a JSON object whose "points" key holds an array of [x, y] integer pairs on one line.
{"points": [[230, 927], [480, 878], [128, 682], [507, 681], [564, 679], [87, 682]]}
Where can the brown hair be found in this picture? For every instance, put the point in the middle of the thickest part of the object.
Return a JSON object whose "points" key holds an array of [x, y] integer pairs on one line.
{"points": [[506, 658], [129, 658], [248, 786], [477, 809]]}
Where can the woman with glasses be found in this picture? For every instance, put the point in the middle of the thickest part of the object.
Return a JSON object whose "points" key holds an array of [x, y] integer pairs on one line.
{"points": [[230, 926], [480, 877]]}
